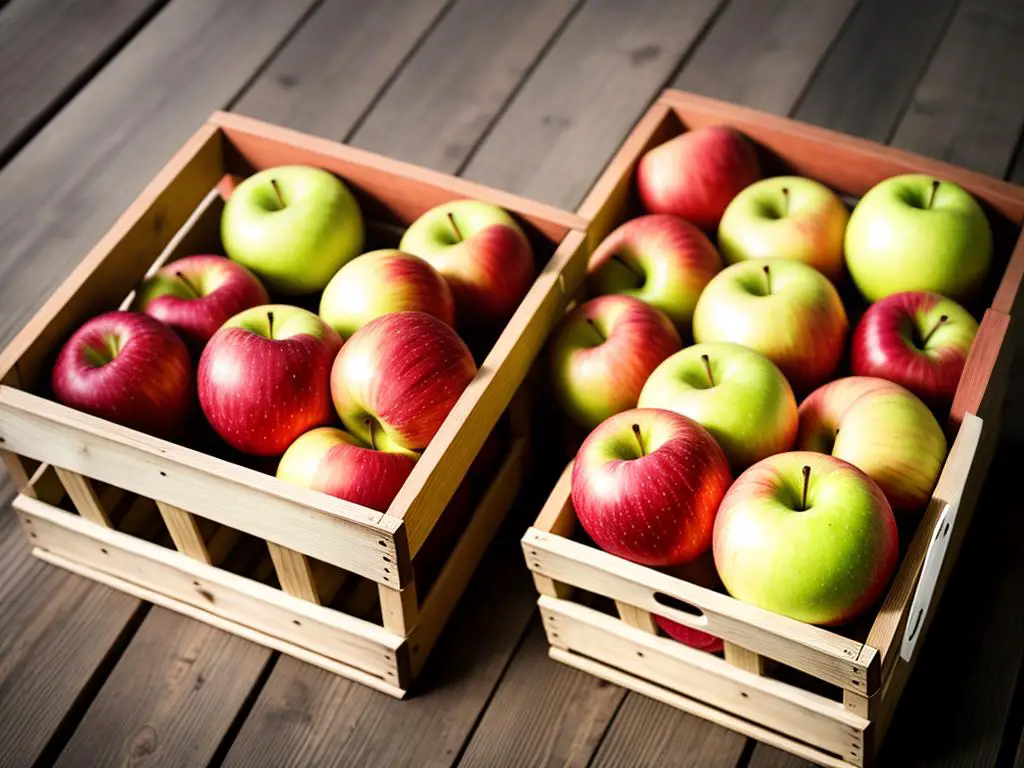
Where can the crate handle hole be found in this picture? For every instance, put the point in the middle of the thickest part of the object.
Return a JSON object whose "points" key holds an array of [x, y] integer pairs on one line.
{"points": [[674, 602]]}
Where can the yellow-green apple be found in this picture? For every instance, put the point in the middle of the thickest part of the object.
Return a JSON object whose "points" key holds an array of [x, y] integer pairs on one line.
{"points": [[660, 259], [786, 310], [397, 378], [646, 486], [334, 462], [482, 253], [786, 217], [602, 353], [917, 339], [196, 295], [294, 226], [696, 174], [881, 428], [918, 233], [381, 282], [129, 368], [700, 571], [808, 536], [736, 394], [264, 377]]}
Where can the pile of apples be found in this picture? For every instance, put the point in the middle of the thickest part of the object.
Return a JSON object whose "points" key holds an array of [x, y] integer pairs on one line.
{"points": [[701, 453], [347, 398]]}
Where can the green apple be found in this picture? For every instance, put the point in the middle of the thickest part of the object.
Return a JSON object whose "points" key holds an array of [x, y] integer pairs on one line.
{"points": [[807, 536], [786, 217], [294, 226], [737, 395], [918, 233]]}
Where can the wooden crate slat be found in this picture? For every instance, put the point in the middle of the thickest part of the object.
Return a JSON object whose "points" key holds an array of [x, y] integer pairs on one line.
{"points": [[185, 532], [743, 659], [83, 496], [294, 573], [399, 609]]}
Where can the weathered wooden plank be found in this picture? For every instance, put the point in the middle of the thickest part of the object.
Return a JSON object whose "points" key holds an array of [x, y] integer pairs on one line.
{"points": [[761, 52], [170, 698], [48, 50], [585, 94], [862, 84], [476, 56]]}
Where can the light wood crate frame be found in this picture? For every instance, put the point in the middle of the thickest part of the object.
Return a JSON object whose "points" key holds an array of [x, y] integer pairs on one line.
{"points": [[178, 214], [735, 691]]}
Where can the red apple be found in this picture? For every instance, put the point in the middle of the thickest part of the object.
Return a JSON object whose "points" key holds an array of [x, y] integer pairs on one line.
{"points": [[129, 368], [701, 572], [647, 484], [334, 462], [696, 175], [602, 353], [397, 378], [917, 339], [264, 377], [196, 295]]}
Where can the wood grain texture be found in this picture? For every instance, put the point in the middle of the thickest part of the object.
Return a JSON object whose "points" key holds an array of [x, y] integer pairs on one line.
{"points": [[543, 713], [765, 756], [761, 53], [585, 94], [170, 699], [48, 49], [863, 82], [472, 62], [331, 71]]}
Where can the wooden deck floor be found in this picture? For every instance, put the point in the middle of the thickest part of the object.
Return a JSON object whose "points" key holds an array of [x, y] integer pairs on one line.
{"points": [[532, 96]]}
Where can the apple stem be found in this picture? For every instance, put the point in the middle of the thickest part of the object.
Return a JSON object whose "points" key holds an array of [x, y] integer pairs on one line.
{"points": [[785, 201], [639, 275], [369, 426], [931, 195], [270, 324], [639, 442], [768, 279], [596, 329], [455, 227], [707, 368], [942, 319], [807, 480], [188, 284], [277, 191]]}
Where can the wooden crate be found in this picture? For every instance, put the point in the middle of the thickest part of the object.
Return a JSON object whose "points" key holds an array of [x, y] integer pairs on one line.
{"points": [[320, 547], [826, 695]]}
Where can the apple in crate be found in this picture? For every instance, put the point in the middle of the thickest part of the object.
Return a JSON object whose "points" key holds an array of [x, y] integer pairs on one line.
{"points": [[294, 226], [379, 283], [397, 378], [918, 233], [264, 377], [786, 310], [696, 174], [196, 295], [736, 394], [334, 462], [917, 339], [659, 259], [129, 368], [482, 253], [602, 352], [700, 571], [881, 428], [786, 217], [807, 536], [646, 485]]}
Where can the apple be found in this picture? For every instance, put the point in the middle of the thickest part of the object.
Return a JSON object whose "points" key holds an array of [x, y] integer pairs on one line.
{"points": [[264, 377], [380, 282], [917, 339], [332, 461], [397, 378], [129, 368], [784, 309], [659, 259], [646, 485], [736, 394], [918, 233], [294, 226], [786, 217], [602, 352], [807, 536], [882, 429], [482, 253], [196, 295], [701, 572], [696, 174]]}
